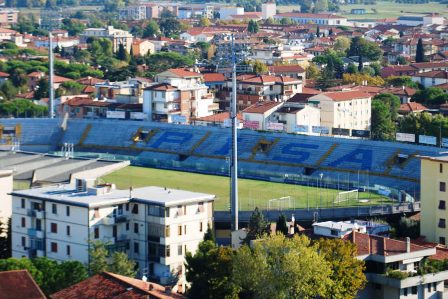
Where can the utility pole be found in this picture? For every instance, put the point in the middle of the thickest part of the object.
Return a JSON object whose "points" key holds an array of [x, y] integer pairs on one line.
{"points": [[51, 83], [234, 155]]}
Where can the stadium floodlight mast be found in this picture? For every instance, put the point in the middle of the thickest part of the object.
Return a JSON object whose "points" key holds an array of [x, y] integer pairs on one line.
{"points": [[234, 157], [51, 75]]}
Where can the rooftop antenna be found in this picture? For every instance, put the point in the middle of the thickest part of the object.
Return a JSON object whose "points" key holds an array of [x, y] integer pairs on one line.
{"points": [[234, 157]]}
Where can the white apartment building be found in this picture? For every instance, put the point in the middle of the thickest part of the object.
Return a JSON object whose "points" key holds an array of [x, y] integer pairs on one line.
{"points": [[385, 257], [226, 12], [5, 199], [155, 226], [297, 118], [312, 18], [132, 13], [180, 96], [117, 36], [350, 110]]}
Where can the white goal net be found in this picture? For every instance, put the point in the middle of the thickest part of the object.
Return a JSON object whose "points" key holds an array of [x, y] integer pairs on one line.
{"points": [[343, 196], [282, 203]]}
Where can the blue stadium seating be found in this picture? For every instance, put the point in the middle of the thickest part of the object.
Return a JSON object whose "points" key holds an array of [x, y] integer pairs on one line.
{"points": [[286, 157]]}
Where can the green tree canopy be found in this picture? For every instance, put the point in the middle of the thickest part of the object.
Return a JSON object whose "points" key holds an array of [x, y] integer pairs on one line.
{"points": [[151, 29], [258, 226], [360, 46]]}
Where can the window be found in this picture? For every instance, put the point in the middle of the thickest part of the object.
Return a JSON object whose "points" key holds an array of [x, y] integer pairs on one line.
{"points": [[136, 247], [54, 228], [405, 291], [23, 222], [22, 203], [68, 230], [185, 229], [135, 209], [38, 224], [127, 207], [442, 223], [68, 250], [442, 240], [434, 286], [441, 168], [442, 187], [127, 225], [167, 231], [67, 210], [179, 250], [429, 287], [168, 251], [136, 228], [414, 290], [179, 230], [201, 227], [54, 247], [393, 266], [23, 241], [96, 233], [442, 205], [54, 209], [334, 232]]}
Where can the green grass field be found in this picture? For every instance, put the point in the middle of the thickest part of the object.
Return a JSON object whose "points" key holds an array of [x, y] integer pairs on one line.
{"points": [[384, 9], [252, 193]]}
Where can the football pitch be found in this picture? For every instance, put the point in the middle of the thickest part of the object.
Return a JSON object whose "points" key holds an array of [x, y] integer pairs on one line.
{"points": [[252, 193]]}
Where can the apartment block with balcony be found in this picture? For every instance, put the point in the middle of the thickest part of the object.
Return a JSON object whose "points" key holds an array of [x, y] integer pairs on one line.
{"points": [[179, 96], [155, 226], [117, 36]]}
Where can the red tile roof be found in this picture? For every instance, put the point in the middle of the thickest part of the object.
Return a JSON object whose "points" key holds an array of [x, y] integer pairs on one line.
{"points": [[412, 107], [161, 87], [261, 107], [433, 74], [308, 15], [346, 95], [90, 81], [378, 245], [113, 286], [183, 73], [219, 117], [19, 284], [266, 79], [214, 77], [4, 75], [293, 68]]}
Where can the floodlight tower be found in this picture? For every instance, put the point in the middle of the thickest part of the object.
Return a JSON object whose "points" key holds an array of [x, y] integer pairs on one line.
{"points": [[51, 75], [234, 154]]}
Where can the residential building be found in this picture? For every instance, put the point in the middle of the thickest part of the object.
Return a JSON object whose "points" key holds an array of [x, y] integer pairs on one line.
{"points": [[431, 78], [110, 285], [256, 117], [417, 20], [132, 13], [349, 110], [319, 19], [19, 284], [218, 120], [179, 96], [142, 47], [252, 89], [268, 10], [433, 181], [117, 36], [411, 108], [129, 91], [7, 34], [226, 12], [155, 226], [5, 197], [386, 260], [8, 16], [297, 118], [294, 71]]}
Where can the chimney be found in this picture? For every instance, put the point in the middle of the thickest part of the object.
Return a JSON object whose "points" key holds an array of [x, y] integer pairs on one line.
{"points": [[368, 244], [408, 244], [384, 247], [353, 236]]}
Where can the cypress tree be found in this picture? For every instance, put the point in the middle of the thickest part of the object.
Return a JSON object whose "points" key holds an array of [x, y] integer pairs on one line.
{"points": [[420, 52]]}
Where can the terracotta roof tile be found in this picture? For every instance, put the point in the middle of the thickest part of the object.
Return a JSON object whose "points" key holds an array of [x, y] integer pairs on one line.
{"points": [[214, 77], [412, 107], [346, 95], [219, 117], [261, 107], [183, 73], [286, 69], [19, 284]]}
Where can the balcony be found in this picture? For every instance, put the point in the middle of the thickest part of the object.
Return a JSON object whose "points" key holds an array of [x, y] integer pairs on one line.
{"points": [[121, 218], [40, 214], [31, 213], [213, 107], [407, 282], [32, 232], [36, 213], [109, 220]]}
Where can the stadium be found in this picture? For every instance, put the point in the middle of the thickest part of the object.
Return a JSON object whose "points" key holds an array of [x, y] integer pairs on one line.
{"points": [[384, 169]]}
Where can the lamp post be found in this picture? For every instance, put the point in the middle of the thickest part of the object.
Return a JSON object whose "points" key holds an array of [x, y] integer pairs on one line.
{"points": [[320, 189]]}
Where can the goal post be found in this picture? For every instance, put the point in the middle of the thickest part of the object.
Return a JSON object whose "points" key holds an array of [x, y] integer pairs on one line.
{"points": [[344, 196], [282, 203]]}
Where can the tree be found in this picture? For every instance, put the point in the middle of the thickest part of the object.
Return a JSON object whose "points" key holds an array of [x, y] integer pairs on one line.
{"points": [[360, 65], [253, 26], [391, 101], [430, 96], [204, 22], [259, 67], [122, 53], [382, 126], [367, 49], [312, 71], [257, 226], [359, 78], [400, 81], [408, 228], [8, 89], [161, 61], [151, 29], [401, 60], [318, 31], [282, 226], [98, 258], [321, 6], [280, 267], [42, 90], [170, 27], [122, 265], [209, 234], [209, 271], [351, 68], [420, 51], [346, 270]]}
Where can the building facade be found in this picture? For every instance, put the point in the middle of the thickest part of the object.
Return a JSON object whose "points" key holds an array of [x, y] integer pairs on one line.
{"points": [[155, 226]]}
